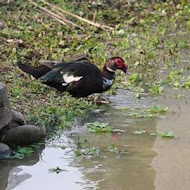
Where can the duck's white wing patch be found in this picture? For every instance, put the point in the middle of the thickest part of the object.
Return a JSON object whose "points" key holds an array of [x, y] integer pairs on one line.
{"points": [[70, 78]]}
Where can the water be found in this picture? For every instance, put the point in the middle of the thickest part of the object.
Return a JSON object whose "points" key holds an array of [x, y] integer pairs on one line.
{"points": [[144, 162]]}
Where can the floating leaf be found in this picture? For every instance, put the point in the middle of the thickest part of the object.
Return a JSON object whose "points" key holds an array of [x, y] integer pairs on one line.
{"points": [[93, 151], [158, 109], [113, 148], [139, 132], [164, 134], [157, 89], [98, 127], [56, 170]]}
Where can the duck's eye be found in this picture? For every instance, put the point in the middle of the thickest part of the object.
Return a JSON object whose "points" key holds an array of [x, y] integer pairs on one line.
{"points": [[112, 63]]}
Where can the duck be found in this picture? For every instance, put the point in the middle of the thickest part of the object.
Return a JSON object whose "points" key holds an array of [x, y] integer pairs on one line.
{"points": [[79, 77]]}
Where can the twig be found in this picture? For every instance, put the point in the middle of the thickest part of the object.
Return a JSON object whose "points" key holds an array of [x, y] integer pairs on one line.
{"points": [[48, 12], [66, 20], [41, 22], [59, 17], [103, 27]]}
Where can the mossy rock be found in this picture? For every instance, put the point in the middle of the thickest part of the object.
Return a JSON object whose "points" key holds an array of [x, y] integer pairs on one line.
{"points": [[5, 110], [23, 135]]}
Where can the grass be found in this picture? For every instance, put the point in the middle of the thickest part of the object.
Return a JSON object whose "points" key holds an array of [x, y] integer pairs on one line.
{"points": [[144, 35]]}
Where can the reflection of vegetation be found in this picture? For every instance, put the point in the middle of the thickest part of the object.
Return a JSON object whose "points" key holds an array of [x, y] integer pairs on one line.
{"points": [[21, 152]]}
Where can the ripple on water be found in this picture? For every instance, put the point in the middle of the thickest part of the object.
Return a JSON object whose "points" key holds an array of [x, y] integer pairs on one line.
{"points": [[126, 98]]}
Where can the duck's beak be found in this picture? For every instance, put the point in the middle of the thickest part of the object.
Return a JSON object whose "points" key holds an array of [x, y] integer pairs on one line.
{"points": [[124, 69]]}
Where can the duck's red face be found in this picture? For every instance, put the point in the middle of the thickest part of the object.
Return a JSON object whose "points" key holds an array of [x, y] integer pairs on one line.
{"points": [[119, 63]]}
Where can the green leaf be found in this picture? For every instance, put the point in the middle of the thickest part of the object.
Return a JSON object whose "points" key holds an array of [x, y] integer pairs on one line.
{"points": [[157, 89], [98, 127], [158, 109], [169, 135], [56, 170]]}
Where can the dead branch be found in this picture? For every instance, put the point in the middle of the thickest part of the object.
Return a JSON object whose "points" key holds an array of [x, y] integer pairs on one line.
{"points": [[53, 15], [101, 26], [59, 17]]}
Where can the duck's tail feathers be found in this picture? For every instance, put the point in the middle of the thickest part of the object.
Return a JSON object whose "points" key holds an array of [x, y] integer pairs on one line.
{"points": [[36, 72]]}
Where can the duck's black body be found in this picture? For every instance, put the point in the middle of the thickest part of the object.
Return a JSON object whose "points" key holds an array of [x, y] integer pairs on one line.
{"points": [[79, 77]]}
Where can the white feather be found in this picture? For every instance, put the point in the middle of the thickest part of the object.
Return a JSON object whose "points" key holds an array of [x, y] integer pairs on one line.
{"points": [[70, 78], [107, 83], [64, 84], [111, 70]]}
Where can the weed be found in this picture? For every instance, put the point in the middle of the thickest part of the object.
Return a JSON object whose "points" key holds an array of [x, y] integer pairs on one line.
{"points": [[92, 151], [21, 152], [113, 148], [158, 109], [98, 127], [169, 135], [56, 170], [139, 132], [148, 41]]}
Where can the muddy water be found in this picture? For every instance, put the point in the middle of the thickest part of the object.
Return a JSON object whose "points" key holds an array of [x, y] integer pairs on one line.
{"points": [[172, 163], [143, 162]]}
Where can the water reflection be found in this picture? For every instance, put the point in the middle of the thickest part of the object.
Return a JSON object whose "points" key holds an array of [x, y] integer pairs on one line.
{"points": [[9, 170], [130, 169], [172, 162]]}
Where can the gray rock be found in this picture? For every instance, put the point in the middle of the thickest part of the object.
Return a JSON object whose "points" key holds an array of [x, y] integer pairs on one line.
{"points": [[23, 135], [18, 118], [4, 150], [2, 23], [5, 110]]}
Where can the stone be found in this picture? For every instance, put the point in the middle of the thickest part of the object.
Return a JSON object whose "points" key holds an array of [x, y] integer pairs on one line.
{"points": [[23, 135], [5, 151], [18, 118], [5, 110], [2, 24]]}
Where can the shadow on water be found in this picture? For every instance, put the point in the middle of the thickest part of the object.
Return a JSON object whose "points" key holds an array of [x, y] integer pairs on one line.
{"points": [[129, 168], [10, 168]]}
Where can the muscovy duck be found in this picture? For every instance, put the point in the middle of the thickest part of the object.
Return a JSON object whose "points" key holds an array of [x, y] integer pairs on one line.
{"points": [[79, 77]]}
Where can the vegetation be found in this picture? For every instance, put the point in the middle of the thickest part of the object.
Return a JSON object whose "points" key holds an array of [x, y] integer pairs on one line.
{"points": [[151, 37], [168, 135], [98, 127], [21, 152], [56, 170]]}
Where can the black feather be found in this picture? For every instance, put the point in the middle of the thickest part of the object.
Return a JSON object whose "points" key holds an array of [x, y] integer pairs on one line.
{"points": [[36, 72], [52, 76]]}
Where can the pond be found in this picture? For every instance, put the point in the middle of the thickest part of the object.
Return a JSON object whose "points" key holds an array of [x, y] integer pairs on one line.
{"points": [[129, 158]]}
